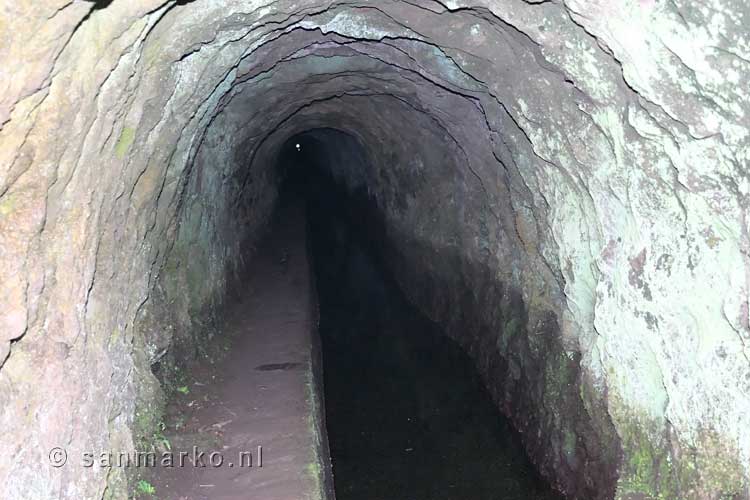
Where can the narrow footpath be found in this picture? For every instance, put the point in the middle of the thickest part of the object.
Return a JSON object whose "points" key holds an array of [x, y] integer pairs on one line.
{"points": [[263, 393]]}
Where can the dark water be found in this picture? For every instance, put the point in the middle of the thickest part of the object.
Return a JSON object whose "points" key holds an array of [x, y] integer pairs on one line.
{"points": [[406, 413]]}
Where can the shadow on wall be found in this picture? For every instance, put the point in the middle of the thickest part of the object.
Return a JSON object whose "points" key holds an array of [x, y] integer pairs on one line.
{"points": [[531, 377], [397, 387]]}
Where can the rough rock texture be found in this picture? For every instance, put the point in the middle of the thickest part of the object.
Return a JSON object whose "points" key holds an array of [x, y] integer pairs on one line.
{"points": [[564, 183]]}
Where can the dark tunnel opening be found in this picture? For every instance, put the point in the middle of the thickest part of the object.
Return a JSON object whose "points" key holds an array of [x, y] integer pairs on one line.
{"points": [[560, 188], [407, 414]]}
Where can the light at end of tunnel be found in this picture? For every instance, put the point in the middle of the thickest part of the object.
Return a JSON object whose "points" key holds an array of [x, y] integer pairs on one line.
{"points": [[298, 147]]}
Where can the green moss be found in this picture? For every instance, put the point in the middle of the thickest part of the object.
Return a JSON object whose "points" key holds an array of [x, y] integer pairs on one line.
{"points": [[313, 469], [147, 424], [150, 399], [510, 329], [640, 476], [718, 466], [115, 336], [559, 390], [650, 471], [559, 377], [117, 484], [7, 205], [570, 442], [143, 487], [123, 143], [151, 53]]}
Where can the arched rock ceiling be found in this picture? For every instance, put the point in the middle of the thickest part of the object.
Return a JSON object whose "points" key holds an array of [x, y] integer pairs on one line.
{"points": [[579, 167]]}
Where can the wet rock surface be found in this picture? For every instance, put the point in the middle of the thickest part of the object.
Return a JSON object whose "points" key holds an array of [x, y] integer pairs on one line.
{"points": [[406, 410], [563, 185]]}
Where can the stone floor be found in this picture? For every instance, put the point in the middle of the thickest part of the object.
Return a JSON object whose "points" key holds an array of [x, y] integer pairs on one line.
{"points": [[260, 394]]}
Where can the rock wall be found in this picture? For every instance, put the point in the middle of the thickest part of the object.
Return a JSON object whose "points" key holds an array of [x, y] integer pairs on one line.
{"points": [[564, 185]]}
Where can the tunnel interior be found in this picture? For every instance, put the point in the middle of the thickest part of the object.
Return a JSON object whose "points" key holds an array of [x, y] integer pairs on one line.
{"points": [[546, 183], [407, 414]]}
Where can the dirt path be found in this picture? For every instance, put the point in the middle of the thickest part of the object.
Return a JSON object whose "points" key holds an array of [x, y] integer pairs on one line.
{"points": [[261, 393]]}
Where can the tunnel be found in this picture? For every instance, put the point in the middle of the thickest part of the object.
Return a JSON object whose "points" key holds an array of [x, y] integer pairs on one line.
{"points": [[406, 412], [553, 192]]}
